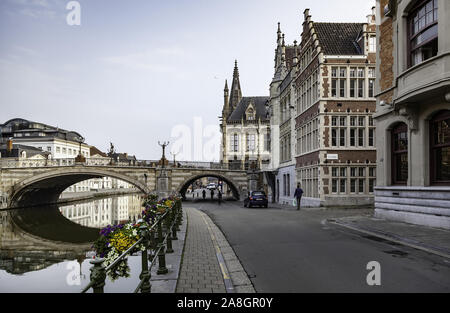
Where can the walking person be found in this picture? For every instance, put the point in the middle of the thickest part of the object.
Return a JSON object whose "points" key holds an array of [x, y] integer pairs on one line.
{"points": [[298, 195], [204, 194], [212, 194], [219, 196]]}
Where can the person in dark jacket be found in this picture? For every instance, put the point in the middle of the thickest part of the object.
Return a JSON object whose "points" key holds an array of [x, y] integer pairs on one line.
{"points": [[204, 194], [219, 196], [298, 195]]}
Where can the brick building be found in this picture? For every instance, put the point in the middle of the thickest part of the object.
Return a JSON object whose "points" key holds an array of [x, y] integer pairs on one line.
{"points": [[334, 90], [413, 112]]}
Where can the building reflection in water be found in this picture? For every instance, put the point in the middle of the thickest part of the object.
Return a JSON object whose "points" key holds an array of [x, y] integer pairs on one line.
{"points": [[103, 212], [37, 244]]}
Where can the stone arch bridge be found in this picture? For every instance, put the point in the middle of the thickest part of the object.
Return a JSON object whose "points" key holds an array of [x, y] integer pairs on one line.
{"points": [[22, 186]]}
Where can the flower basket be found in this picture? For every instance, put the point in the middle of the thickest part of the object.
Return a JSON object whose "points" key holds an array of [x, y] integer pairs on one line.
{"points": [[115, 240]]}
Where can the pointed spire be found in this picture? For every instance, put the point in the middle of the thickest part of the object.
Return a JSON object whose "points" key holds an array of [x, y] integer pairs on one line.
{"points": [[236, 70], [236, 94], [226, 107], [295, 60], [279, 35]]}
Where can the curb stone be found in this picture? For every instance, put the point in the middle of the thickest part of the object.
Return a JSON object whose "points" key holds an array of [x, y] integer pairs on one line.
{"points": [[393, 238], [232, 266]]}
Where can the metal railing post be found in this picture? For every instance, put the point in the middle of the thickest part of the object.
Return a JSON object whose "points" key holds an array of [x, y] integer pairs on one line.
{"points": [[174, 224], [98, 275], [162, 269], [145, 274], [169, 232]]}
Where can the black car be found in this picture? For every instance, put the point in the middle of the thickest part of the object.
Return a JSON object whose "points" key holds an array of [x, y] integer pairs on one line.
{"points": [[256, 198]]}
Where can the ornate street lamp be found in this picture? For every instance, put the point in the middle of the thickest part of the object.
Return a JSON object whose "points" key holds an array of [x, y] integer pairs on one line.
{"points": [[163, 145], [80, 157]]}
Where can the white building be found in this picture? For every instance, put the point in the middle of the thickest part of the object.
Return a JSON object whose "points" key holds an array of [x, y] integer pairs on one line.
{"points": [[245, 129]]}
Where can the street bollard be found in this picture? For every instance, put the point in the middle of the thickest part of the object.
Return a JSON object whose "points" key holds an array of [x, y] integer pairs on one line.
{"points": [[162, 269], [145, 274], [98, 275]]}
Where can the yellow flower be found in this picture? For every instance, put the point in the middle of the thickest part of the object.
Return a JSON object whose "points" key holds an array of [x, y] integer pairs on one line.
{"points": [[121, 242]]}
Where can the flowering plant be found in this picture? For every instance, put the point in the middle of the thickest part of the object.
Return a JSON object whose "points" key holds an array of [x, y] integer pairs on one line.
{"points": [[115, 240]]}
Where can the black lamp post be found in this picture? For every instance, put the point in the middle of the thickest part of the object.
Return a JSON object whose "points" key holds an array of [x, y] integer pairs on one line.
{"points": [[80, 158]]}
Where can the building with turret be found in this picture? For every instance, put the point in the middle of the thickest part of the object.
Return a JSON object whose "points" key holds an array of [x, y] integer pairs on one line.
{"points": [[281, 173], [245, 128]]}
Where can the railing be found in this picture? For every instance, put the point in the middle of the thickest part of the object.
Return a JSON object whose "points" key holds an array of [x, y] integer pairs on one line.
{"points": [[172, 219], [109, 162], [36, 163]]}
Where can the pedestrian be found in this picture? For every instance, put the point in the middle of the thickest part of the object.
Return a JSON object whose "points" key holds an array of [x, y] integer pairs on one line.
{"points": [[212, 194], [204, 194], [298, 195], [219, 196]]}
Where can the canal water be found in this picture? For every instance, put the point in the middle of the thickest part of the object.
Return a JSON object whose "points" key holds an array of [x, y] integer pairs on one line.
{"points": [[48, 248]]}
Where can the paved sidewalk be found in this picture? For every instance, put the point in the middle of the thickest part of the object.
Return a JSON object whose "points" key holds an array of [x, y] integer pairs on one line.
{"points": [[209, 264], [432, 240]]}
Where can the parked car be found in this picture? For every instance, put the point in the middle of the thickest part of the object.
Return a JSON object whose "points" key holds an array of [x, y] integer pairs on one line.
{"points": [[256, 198], [211, 186]]}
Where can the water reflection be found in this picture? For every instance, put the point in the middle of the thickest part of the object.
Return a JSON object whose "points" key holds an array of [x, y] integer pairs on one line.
{"points": [[38, 246], [103, 212]]}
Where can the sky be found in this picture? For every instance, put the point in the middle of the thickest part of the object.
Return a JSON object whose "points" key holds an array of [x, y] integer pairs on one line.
{"points": [[137, 72]]}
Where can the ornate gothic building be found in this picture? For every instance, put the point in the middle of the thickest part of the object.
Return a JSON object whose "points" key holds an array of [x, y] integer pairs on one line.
{"points": [[245, 127]]}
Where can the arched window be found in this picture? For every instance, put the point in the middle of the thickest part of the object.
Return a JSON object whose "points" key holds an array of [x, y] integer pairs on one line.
{"points": [[399, 154], [440, 148], [423, 31]]}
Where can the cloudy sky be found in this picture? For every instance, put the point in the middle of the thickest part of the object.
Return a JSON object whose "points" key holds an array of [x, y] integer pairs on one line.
{"points": [[138, 71]]}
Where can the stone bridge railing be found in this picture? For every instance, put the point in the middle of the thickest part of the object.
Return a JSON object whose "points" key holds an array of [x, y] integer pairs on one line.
{"points": [[21, 163]]}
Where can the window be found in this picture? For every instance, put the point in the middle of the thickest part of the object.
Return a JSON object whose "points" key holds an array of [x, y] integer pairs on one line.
{"points": [[440, 148], [338, 134], [423, 32], [371, 87], [400, 154], [339, 180], [371, 137], [353, 83], [357, 180], [339, 83], [372, 44], [250, 114], [267, 141], [234, 143], [251, 143]]}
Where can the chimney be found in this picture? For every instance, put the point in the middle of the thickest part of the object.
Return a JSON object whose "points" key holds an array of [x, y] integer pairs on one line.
{"points": [[9, 145]]}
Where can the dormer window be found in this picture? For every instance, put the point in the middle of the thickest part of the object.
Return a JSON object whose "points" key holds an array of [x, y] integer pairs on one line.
{"points": [[423, 32], [250, 114]]}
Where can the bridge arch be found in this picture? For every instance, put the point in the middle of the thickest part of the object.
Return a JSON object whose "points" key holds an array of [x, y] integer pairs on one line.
{"points": [[182, 188], [46, 187]]}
